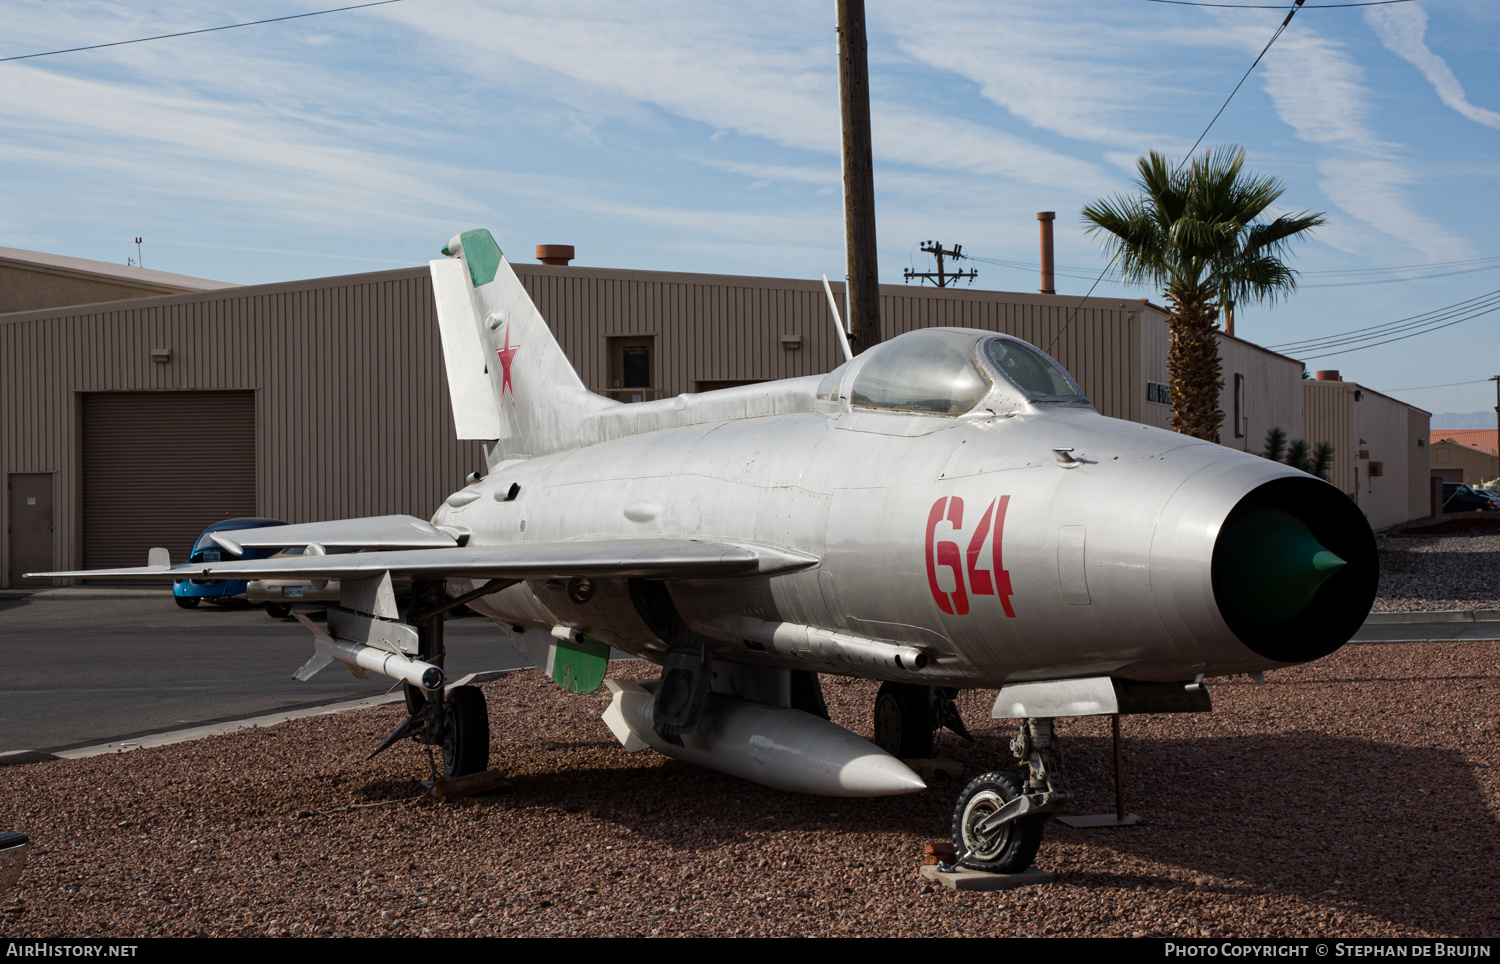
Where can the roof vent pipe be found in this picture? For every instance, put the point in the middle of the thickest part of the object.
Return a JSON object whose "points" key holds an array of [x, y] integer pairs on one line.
{"points": [[1044, 222], [554, 253], [1328, 375]]}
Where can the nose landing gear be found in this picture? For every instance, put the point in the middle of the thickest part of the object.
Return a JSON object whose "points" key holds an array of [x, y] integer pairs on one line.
{"points": [[997, 822]]}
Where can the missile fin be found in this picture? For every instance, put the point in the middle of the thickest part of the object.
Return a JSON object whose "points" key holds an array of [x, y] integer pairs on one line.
{"points": [[614, 716], [312, 666]]}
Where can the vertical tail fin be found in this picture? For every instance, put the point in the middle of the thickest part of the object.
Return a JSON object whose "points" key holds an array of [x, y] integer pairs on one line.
{"points": [[509, 380]]}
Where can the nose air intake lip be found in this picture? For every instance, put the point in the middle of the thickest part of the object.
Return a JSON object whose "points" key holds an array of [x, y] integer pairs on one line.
{"points": [[1295, 569]]}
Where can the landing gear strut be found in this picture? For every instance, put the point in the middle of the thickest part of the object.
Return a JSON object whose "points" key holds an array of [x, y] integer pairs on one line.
{"points": [[997, 823], [456, 720], [907, 716]]}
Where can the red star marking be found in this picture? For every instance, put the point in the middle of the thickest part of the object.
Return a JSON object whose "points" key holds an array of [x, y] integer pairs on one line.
{"points": [[507, 356]]}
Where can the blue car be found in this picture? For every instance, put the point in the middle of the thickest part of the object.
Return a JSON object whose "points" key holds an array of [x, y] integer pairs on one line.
{"points": [[189, 592]]}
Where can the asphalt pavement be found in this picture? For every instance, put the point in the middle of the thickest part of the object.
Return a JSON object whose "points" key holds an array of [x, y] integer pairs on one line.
{"points": [[1424, 627], [83, 667]]}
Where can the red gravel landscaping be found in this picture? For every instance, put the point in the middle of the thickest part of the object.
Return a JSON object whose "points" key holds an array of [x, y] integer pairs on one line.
{"points": [[1355, 796]]}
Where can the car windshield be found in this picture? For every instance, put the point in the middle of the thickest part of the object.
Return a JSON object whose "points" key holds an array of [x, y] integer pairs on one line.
{"points": [[205, 541], [932, 372]]}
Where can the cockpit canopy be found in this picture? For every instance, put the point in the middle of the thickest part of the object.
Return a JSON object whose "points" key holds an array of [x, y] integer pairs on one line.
{"points": [[948, 371]]}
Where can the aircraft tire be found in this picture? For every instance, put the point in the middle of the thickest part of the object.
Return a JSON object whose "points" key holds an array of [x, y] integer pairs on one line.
{"points": [[466, 739], [186, 602], [904, 720], [1009, 850], [278, 610]]}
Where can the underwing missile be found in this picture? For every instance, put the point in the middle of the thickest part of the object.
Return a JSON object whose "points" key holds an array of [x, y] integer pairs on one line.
{"points": [[777, 747], [360, 658]]}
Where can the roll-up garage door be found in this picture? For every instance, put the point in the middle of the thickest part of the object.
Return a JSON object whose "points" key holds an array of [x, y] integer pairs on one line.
{"points": [[159, 467]]}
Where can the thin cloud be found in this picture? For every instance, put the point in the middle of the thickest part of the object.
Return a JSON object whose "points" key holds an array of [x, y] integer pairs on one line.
{"points": [[1318, 90], [1403, 28], [731, 71]]}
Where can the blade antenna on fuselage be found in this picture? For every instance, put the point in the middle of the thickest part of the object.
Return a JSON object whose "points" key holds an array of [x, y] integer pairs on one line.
{"points": [[838, 322]]}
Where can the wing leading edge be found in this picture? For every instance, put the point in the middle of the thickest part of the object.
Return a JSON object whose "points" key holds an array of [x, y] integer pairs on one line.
{"points": [[637, 558]]}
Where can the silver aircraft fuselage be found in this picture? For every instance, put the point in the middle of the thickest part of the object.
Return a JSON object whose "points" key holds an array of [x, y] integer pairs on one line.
{"points": [[970, 539]]}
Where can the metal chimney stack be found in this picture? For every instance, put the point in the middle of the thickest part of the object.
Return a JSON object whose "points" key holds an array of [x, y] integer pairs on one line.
{"points": [[559, 254], [1044, 222]]}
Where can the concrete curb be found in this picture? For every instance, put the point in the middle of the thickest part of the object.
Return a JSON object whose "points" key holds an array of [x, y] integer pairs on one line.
{"points": [[1439, 616], [17, 757]]}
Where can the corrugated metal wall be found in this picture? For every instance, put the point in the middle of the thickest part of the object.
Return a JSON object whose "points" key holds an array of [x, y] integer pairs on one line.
{"points": [[1364, 427], [1328, 416], [1418, 457], [352, 407], [1273, 393]]}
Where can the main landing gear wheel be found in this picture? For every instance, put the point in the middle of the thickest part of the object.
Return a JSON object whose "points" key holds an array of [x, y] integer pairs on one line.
{"points": [[278, 610], [466, 732], [1009, 848], [904, 720], [186, 602]]}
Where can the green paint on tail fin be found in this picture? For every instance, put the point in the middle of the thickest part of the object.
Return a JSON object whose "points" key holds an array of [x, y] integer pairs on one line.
{"points": [[482, 254]]}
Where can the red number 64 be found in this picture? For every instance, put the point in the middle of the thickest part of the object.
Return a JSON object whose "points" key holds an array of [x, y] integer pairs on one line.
{"points": [[994, 581]]}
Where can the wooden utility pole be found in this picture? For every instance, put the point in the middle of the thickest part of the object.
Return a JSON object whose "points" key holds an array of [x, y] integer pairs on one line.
{"points": [[863, 289]]}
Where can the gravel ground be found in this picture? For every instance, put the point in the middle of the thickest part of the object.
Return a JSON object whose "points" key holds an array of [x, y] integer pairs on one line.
{"points": [[1354, 796], [1448, 565]]}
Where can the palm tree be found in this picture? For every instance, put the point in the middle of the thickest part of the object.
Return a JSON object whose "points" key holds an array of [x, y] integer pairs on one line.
{"points": [[1200, 235]]}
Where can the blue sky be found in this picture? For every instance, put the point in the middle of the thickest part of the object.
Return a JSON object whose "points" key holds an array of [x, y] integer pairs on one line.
{"points": [[704, 137]]}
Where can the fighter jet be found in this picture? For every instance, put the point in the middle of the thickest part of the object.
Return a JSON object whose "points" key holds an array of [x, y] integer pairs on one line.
{"points": [[945, 511]]}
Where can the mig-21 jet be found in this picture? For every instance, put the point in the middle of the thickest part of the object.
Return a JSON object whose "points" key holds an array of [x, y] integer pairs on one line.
{"points": [[945, 511]]}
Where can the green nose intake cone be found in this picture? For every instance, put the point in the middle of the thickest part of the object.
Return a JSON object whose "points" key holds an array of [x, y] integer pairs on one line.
{"points": [[1272, 566]]}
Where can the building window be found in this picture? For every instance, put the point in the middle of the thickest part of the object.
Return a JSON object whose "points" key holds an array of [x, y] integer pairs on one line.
{"points": [[1240, 422], [631, 369]]}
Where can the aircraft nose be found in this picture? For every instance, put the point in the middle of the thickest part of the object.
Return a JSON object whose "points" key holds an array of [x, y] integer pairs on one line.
{"points": [[1273, 565], [1295, 569]]}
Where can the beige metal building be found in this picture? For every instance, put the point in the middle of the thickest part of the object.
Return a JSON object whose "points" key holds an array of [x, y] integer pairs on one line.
{"points": [[1453, 462], [32, 280], [134, 423], [1379, 447]]}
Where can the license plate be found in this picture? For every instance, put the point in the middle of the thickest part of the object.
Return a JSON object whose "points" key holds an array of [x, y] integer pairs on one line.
{"points": [[212, 555], [290, 593]]}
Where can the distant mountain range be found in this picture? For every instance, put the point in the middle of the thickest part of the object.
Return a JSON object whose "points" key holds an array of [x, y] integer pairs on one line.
{"points": [[1463, 420]]}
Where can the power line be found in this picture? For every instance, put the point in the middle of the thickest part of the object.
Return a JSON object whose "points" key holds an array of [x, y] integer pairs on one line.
{"points": [[189, 33], [1405, 267], [1399, 330], [1353, 274], [1386, 328], [1390, 281], [1276, 6], [1296, 5], [1423, 388], [1470, 317]]}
